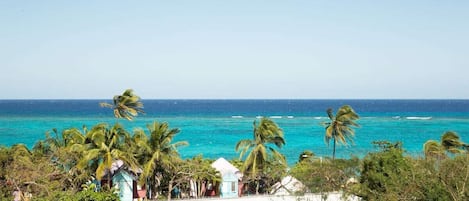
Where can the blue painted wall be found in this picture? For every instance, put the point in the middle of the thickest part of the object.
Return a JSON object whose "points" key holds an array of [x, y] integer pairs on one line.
{"points": [[229, 186], [124, 180]]}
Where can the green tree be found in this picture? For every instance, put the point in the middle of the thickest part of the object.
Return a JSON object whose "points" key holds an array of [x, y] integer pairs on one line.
{"points": [[450, 143], [183, 171], [433, 149], [106, 146], [339, 129], [267, 132], [156, 153], [203, 171], [32, 173], [326, 175], [64, 152], [127, 105], [387, 175], [305, 155]]}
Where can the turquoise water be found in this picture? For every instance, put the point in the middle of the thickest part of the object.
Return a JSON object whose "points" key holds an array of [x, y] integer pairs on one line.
{"points": [[214, 134]]}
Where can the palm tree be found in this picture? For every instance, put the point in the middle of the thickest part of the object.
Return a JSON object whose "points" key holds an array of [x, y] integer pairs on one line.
{"points": [[127, 105], [267, 132], [157, 152], [106, 145], [450, 143], [340, 127], [433, 148], [65, 152]]}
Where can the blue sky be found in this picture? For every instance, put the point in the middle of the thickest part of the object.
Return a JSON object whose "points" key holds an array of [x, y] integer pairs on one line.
{"points": [[234, 49]]}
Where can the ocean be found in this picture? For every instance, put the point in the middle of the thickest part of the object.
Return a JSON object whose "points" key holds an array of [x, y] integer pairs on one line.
{"points": [[213, 127]]}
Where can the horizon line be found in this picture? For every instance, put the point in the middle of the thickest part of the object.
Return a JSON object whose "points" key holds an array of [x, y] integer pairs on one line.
{"points": [[2, 99]]}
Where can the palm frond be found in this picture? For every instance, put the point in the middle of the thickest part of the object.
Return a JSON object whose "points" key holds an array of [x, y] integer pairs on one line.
{"points": [[433, 148], [340, 128], [451, 140], [127, 105]]}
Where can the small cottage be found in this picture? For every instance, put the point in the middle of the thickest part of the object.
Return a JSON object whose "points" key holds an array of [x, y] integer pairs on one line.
{"points": [[230, 185], [126, 182]]}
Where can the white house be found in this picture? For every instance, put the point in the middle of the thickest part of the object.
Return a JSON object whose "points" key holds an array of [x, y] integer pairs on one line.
{"points": [[231, 176]]}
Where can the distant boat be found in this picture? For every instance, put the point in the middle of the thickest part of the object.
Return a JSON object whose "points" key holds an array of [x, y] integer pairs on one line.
{"points": [[419, 118]]}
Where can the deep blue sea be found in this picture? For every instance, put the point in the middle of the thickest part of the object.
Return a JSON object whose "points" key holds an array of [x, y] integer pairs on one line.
{"points": [[212, 127]]}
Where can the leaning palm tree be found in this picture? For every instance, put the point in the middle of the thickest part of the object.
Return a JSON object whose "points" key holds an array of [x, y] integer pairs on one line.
{"points": [[433, 149], [127, 105], [267, 132], [339, 129], [157, 152], [451, 142]]}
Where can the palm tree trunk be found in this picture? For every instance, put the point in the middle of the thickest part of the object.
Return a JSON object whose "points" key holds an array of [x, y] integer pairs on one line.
{"points": [[109, 179], [333, 151], [170, 188], [199, 189], [257, 187]]}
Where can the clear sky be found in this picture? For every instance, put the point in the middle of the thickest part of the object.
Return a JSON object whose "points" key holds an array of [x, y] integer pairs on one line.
{"points": [[234, 49]]}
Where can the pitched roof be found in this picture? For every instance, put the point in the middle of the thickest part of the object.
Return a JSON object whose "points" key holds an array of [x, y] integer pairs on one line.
{"points": [[118, 165], [225, 168]]}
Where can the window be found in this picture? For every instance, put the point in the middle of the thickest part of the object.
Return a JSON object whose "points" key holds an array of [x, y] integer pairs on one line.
{"points": [[233, 186]]}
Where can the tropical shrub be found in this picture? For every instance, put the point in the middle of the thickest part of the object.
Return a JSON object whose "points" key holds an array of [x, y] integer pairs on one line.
{"points": [[326, 175], [454, 177], [386, 174]]}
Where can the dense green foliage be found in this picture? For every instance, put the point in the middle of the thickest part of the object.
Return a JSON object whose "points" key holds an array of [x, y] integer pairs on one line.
{"points": [[57, 167], [262, 161], [390, 175], [325, 175], [156, 153]]}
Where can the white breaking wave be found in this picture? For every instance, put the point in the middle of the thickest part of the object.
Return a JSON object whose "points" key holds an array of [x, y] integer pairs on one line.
{"points": [[419, 118], [290, 117], [317, 117], [237, 117], [259, 117], [275, 117]]}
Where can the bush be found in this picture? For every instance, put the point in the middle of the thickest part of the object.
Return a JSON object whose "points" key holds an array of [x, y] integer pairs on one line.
{"points": [[389, 175], [386, 174], [454, 176], [96, 196], [80, 196], [325, 175]]}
